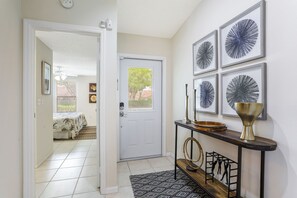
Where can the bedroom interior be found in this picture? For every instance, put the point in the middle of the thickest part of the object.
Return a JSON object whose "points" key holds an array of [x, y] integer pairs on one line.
{"points": [[73, 70], [66, 123]]}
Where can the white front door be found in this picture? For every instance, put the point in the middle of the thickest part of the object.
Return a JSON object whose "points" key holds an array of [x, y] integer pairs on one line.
{"points": [[140, 108]]}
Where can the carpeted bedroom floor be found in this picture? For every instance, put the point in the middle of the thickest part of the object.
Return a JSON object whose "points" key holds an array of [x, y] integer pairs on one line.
{"points": [[87, 133]]}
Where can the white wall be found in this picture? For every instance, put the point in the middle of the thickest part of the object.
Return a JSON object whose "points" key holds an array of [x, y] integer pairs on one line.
{"points": [[82, 99], [280, 179], [44, 107], [11, 99], [90, 13], [152, 46]]}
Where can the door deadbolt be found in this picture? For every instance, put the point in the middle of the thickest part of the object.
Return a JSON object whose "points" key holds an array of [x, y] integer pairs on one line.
{"points": [[122, 106]]}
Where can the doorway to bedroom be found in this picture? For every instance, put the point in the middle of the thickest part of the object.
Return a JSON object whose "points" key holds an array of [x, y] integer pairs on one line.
{"points": [[66, 114]]}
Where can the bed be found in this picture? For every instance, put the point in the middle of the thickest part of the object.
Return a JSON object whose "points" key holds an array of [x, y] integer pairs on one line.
{"points": [[68, 125]]}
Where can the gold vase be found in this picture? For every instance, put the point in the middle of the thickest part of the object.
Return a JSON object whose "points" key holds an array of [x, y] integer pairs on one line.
{"points": [[248, 112], [186, 119]]}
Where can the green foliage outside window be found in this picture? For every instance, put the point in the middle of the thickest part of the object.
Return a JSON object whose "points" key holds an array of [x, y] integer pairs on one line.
{"points": [[139, 87]]}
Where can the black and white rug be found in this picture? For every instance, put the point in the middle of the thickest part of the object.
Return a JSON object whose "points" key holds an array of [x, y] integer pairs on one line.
{"points": [[163, 185]]}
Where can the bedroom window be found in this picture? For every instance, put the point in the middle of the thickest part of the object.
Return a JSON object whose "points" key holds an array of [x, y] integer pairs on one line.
{"points": [[66, 96]]}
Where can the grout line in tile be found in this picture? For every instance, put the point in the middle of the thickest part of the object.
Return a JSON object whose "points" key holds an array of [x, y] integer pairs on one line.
{"points": [[82, 168], [78, 178], [151, 165], [129, 168], [43, 189]]}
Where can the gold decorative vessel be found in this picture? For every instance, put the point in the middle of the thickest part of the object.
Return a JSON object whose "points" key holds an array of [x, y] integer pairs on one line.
{"points": [[186, 119], [194, 99], [191, 166], [248, 112], [209, 126]]}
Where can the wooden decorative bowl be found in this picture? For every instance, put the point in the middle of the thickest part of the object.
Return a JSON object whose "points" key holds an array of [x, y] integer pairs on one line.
{"points": [[210, 126]]}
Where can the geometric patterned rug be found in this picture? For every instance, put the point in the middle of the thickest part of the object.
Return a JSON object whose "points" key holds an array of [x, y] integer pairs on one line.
{"points": [[163, 185]]}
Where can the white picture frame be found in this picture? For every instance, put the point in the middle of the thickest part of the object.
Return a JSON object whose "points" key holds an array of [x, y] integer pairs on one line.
{"points": [[206, 94], [242, 39], [246, 84], [205, 54]]}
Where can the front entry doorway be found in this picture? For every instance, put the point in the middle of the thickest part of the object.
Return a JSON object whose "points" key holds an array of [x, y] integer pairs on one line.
{"points": [[140, 108]]}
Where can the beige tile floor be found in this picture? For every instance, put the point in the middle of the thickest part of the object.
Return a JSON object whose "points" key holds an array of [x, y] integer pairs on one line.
{"points": [[70, 172]]}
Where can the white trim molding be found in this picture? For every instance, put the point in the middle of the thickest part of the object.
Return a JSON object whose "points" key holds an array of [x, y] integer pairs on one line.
{"points": [[169, 154], [164, 95], [28, 111], [29, 29]]}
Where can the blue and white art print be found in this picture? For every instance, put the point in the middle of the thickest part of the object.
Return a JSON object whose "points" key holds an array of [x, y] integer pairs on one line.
{"points": [[205, 54], [242, 38], [243, 85], [206, 94]]}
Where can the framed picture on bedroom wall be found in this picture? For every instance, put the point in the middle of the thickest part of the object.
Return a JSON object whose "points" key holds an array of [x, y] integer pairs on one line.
{"points": [[242, 38], [45, 78], [205, 54], [92, 98], [243, 85], [207, 94], [92, 87]]}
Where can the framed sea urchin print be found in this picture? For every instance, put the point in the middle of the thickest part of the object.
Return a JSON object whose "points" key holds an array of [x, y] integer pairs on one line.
{"points": [[206, 94], [242, 38], [243, 85], [205, 54]]}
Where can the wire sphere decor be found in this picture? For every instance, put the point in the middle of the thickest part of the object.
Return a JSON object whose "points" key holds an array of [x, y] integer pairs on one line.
{"points": [[207, 94], [190, 162], [205, 55], [242, 38], [242, 88]]}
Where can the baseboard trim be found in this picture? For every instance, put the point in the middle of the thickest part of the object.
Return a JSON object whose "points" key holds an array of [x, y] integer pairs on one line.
{"points": [[109, 190], [43, 160], [170, 154]]}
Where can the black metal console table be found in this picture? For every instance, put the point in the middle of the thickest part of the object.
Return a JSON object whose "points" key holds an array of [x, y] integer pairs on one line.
{"points": [[232, 137]]}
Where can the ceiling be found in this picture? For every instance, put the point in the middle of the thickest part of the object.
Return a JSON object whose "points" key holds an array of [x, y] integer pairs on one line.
{"points": [[76, 54], [157, 18]]}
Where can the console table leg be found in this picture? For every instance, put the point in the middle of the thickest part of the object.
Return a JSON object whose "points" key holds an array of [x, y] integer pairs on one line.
{"points": [[262, 174], [175, 153], [239, 159], [191, 144]]}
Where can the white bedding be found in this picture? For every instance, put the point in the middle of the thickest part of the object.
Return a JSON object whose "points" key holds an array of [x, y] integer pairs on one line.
{"points": [[67, 125]]}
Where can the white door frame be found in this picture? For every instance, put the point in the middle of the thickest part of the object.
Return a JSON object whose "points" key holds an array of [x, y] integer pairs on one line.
{"points": [[29, 131], [164, 95]]}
